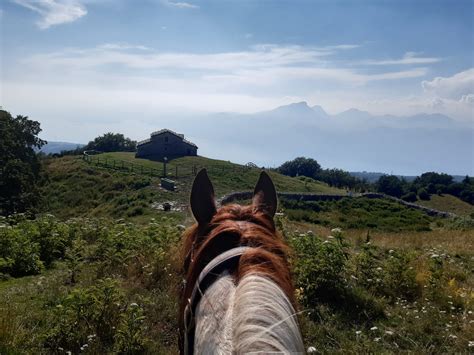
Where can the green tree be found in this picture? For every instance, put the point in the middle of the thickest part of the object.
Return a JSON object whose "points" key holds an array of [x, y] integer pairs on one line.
{"points": [[19, 164], [111, 142], [301, 166], [390, 185]]}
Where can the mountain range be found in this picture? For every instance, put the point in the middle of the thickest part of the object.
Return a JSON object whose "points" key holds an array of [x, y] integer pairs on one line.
{"points": [[352, 140]]}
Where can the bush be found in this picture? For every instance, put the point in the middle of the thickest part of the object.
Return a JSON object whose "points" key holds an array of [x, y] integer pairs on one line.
{"points": [[320, 267], [423, 194], [409, 197]]}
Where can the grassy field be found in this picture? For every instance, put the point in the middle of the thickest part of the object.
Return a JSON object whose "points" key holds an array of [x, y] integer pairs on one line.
{"points": [[226, 176], [448, 203], [77, 188], [102, 275]]}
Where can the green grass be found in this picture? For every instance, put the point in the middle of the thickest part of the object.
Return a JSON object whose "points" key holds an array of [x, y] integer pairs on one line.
{"points": [[77, 188], [356, 297], [109, 275], [359, 213], [226, 176], [448, 203]]}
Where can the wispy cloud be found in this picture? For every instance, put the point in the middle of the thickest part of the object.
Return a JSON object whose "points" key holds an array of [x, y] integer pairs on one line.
{"points": [[180, 4], [54, 12], [454, 87], [260, 65], [410, 58]]}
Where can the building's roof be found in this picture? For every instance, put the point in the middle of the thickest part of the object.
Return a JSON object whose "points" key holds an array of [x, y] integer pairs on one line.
{"points": [[165, 130]]}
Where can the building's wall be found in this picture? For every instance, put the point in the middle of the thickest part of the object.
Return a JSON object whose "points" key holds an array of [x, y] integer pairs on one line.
{"points": [[165, 145]]}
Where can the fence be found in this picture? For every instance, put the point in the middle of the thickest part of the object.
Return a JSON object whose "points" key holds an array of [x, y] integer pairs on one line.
{"points": [[172, 170]]}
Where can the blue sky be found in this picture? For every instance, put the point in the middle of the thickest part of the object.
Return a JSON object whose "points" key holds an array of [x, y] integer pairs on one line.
{"points": [[79, 66]]}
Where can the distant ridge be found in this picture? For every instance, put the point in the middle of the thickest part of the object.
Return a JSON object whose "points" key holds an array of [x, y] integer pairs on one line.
{"points": [[57, 147]]}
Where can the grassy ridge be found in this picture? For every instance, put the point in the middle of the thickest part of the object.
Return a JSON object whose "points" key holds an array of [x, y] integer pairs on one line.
{"points": [[77, 188], [448, 203]]}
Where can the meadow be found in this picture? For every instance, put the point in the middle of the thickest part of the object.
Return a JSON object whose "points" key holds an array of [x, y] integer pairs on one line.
{"points": [[98, 270]]}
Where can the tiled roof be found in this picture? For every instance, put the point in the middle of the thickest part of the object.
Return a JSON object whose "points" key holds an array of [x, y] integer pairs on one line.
{"points": [[165, 130]]}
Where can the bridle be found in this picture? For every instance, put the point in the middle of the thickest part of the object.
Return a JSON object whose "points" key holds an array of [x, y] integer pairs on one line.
{"points": [[229, 260]]}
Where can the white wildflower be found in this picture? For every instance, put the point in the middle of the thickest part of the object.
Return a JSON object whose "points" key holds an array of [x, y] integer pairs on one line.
{"points": [[336, 230], [311, 349], [373, 328], [358, 332], [470, 344], [388, 332], [391, 251], [133, 304], [377, 339]]}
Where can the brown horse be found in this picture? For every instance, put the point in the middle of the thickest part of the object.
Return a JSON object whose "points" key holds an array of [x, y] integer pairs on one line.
{"points": [[238, 296]]}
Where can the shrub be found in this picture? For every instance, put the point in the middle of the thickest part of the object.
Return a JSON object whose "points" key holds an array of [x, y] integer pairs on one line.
{"points": [[409, 197], [423, 194], [320, 267]]}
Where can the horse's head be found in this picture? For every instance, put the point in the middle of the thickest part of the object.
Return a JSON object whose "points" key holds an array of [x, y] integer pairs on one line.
{"points": [[235, 241]]}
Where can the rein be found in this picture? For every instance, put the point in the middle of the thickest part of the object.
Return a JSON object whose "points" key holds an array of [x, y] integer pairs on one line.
{"points": [[228, 260]]}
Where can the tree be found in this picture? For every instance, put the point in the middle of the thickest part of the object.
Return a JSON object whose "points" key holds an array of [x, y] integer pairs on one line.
{"points": [[111, 142], [390, 185], [19, 164], [301, 166]]}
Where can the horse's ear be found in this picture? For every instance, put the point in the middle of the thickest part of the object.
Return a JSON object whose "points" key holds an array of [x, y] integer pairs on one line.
{"points": [[264, 195], [203, 205]]}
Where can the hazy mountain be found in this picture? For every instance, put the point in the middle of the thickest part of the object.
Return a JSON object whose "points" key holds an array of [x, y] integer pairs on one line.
{"points": [[353, 140], [58, 147]]}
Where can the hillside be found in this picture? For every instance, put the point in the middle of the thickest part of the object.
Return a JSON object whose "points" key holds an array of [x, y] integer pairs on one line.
{"points": [[101, 276], [78, 188], [448, 203]]}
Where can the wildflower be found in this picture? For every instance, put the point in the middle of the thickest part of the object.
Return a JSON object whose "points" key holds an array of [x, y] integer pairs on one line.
{"points": [[470, 344], [391, 251], [433, 256], [358, 332], [336, 230], [330, 237], [388, 332], [379, 269], [377, 339], [452, 336], [311, 349], [133, 304], [373, 328]]}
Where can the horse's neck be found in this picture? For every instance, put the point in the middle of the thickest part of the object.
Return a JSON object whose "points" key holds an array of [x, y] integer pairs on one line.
{"points": [[255, 316]]}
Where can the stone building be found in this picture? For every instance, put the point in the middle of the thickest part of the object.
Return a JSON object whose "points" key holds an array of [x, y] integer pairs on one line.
{"points": [[165, 143]]}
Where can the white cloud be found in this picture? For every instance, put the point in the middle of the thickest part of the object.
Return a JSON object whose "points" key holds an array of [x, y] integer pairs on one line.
{"points": [[180, 4], [54, 12], [410, 58], [453, 87], [260, 65]]}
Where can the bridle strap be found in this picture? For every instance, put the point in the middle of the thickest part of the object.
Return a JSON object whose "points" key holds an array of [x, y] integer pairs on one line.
{"points": [[225, 261]]}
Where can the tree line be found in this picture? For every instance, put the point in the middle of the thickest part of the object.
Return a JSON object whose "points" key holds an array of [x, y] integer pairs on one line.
{"points": [[422, 187]]}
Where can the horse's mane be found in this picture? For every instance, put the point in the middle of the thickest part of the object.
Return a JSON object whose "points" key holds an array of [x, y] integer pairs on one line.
{"points": [[234, 226]]}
